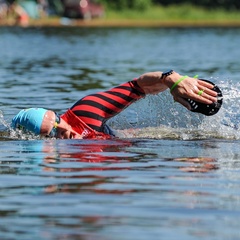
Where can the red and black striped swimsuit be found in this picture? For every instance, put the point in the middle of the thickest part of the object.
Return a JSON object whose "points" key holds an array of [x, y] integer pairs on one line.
{"points": [[95, 109]]}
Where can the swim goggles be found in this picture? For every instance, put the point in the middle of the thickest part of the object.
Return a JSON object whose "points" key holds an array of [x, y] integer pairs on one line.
{"points": [[53, 132]]}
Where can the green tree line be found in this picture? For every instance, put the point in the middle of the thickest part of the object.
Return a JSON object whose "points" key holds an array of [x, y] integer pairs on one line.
{"points": [[144, 4]]}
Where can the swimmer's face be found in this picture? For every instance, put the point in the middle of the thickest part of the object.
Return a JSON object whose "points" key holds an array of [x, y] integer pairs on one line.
{"points": [[54, 126]]}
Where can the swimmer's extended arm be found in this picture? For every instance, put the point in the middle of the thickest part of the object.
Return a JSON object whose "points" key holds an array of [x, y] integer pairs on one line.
{"points": [[152, 83]]}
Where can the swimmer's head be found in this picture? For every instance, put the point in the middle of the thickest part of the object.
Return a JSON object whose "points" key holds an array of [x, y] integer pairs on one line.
{"points": [[35, 120]]}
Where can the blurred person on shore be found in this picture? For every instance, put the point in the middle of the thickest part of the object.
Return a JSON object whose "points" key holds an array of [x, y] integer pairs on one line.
{"points": [[23, 10], [18, 13], [3, 9], [43, 7]]}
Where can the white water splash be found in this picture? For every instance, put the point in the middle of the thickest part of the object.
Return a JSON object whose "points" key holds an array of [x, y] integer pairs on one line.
{"points": [[2, 121], [159, 117]]}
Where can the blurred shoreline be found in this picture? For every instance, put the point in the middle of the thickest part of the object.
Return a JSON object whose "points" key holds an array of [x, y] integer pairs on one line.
{"points": [[60, 22]]}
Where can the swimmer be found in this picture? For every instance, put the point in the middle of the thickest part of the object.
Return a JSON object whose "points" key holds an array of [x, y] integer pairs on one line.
{"points": [[88, 116]]}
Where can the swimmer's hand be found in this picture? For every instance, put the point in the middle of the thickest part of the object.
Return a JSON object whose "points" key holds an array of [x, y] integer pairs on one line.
{"points": [[191, 88]]}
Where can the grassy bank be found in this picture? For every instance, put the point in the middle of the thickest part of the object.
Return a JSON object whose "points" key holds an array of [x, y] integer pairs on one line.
{"points": [[175, 15], [176, 12]]}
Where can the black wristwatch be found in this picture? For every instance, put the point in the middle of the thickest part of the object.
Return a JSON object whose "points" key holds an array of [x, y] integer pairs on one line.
{"points": [[165, 74]]}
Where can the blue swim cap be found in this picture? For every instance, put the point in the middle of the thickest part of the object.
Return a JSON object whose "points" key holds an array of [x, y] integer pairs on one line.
{"points": [[29, 119]]}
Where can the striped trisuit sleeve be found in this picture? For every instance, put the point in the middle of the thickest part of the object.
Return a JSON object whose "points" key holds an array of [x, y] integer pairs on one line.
{"points": [[96, 109]]}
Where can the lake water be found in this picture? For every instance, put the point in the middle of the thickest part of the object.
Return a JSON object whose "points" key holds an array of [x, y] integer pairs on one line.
{"points": [[172, 174]]}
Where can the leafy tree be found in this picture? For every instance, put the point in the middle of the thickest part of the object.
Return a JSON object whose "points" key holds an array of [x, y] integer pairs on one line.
{"points": [[144, 4], [211, 4]]}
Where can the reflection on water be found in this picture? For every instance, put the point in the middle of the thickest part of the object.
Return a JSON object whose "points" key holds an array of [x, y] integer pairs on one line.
{"points": [[93, 189], [170, 168], [201, 164]]}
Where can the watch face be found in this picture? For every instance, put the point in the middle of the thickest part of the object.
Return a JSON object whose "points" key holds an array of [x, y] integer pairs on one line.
{"points": [[165, 74]]}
